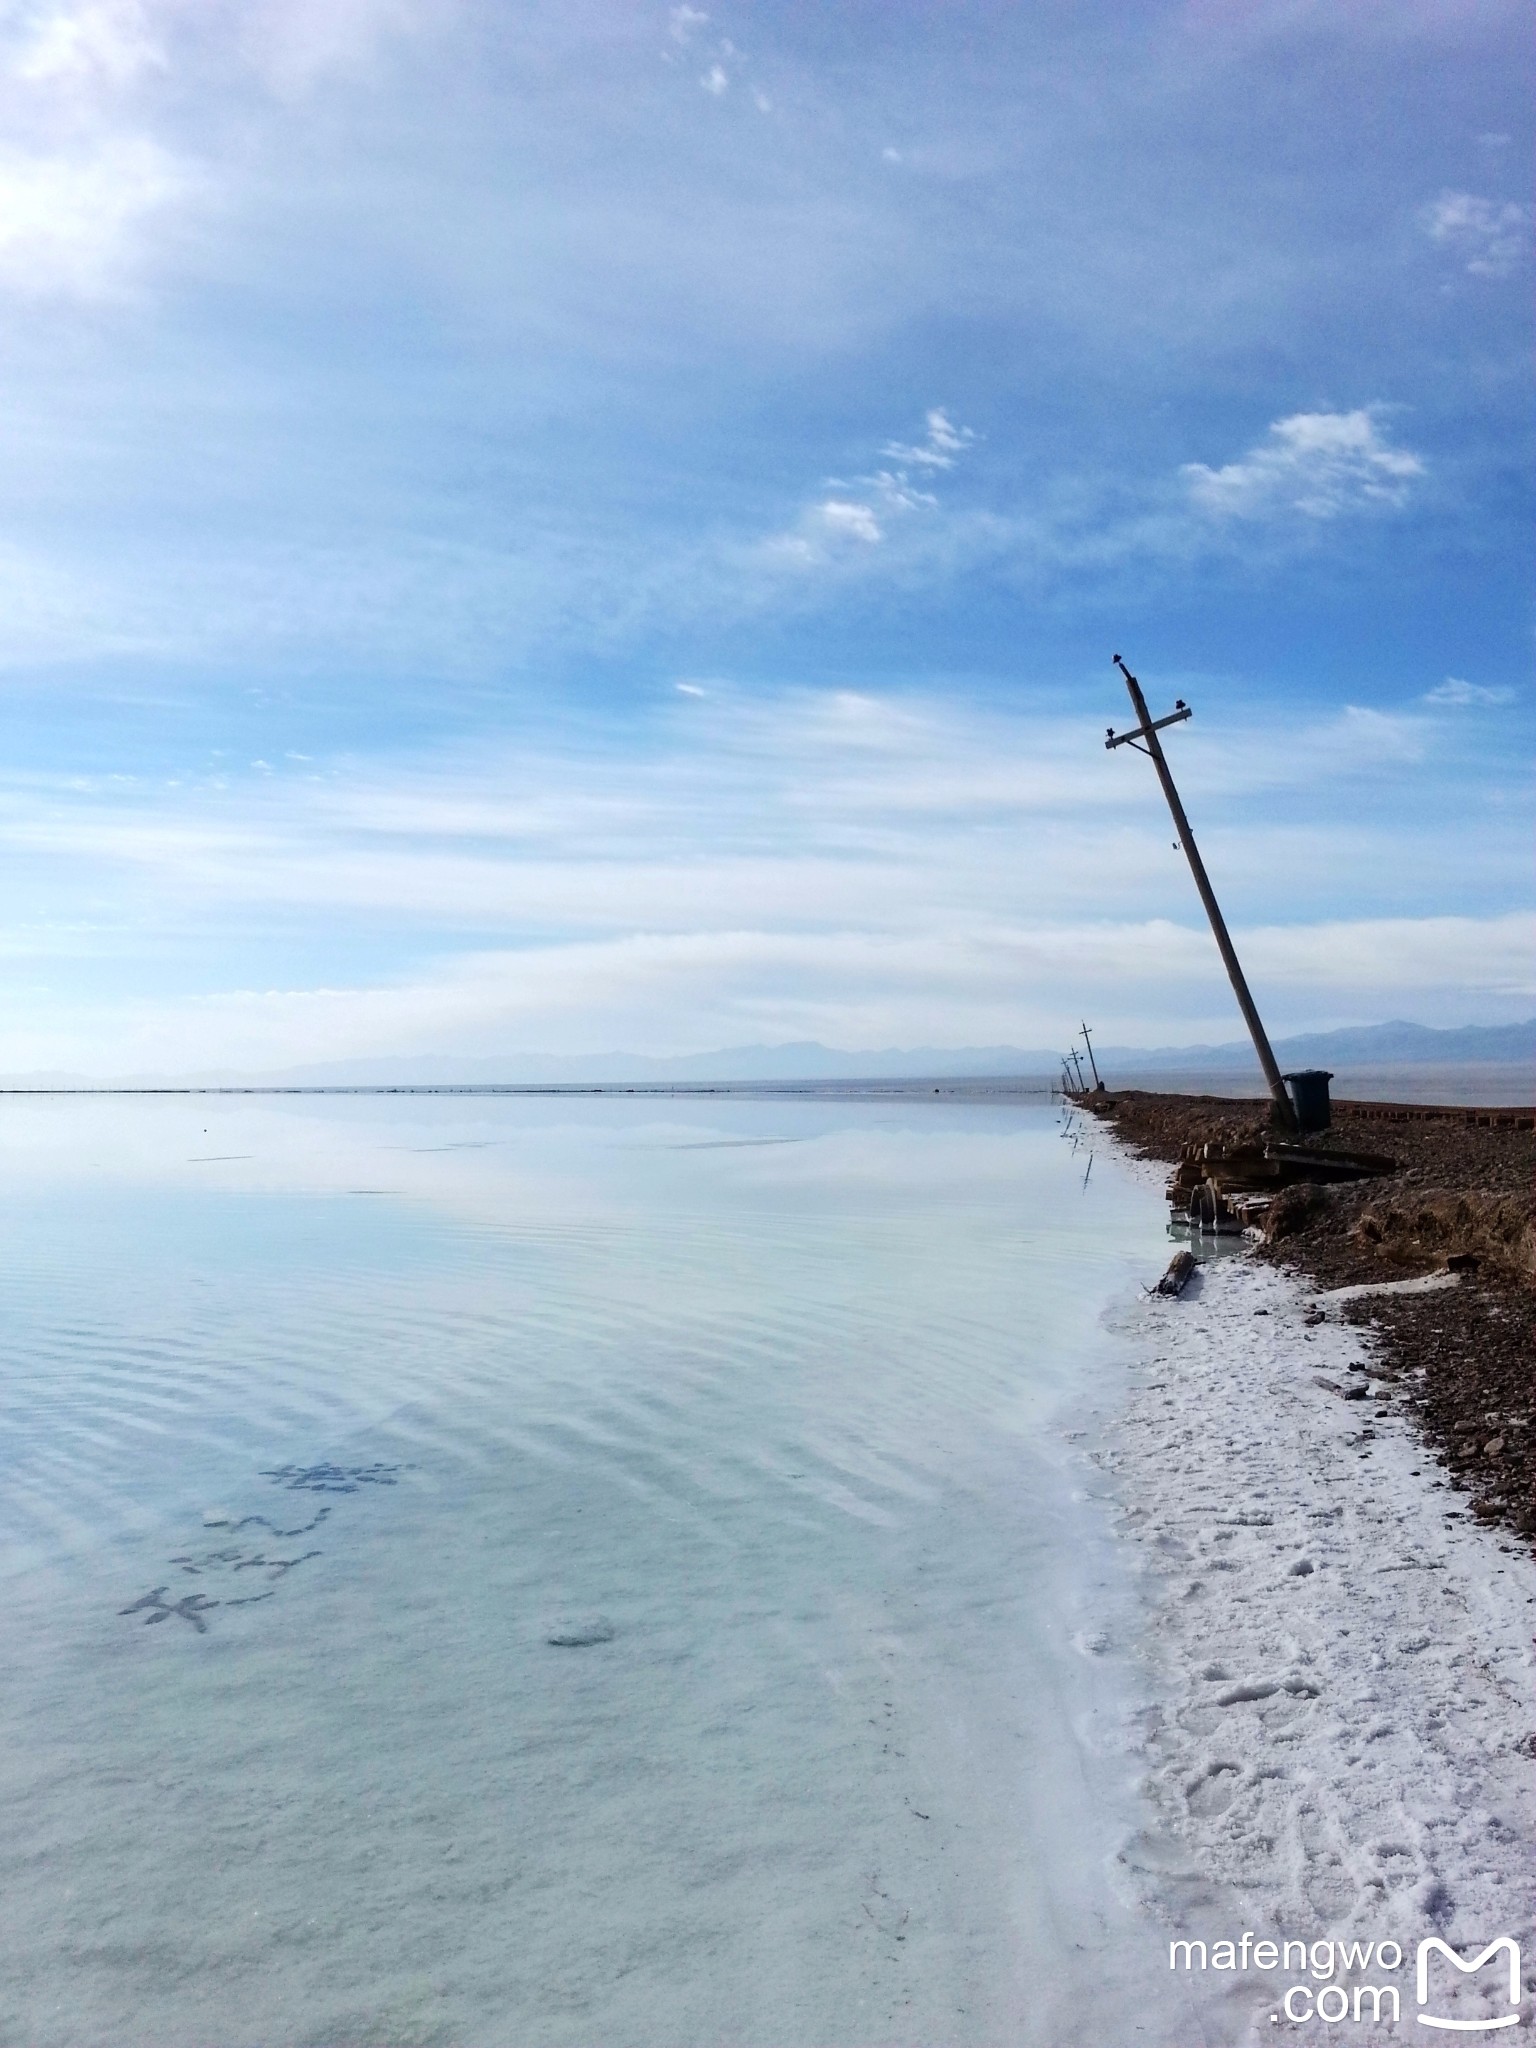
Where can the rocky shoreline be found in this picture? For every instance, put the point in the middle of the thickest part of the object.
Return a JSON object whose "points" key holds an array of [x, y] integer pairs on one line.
{"points": [[1458, 1201]]}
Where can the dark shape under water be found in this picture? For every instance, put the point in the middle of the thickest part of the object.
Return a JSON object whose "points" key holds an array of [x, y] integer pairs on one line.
{"points": [[261, 1522], [192, 1608], [326, 1478], [330, 1478], [581, 1635]]}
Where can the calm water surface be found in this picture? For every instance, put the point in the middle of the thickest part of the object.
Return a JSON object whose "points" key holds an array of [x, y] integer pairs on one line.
{"points": [[518, 1571]]}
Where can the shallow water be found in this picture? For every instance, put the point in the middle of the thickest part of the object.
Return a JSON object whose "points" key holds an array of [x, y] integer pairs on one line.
{"points": [[538, 1571]]}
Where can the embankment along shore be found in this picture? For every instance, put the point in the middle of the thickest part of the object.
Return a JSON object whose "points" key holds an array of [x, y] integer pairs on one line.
{"points": [[1338, 1725], [1456, 1359]]}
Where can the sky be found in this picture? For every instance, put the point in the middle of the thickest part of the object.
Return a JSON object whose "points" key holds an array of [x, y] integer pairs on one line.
{"points": [[535, 528]]}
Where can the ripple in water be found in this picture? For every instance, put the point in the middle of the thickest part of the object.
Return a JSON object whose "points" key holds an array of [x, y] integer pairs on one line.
{"points": [[643, 1608]]}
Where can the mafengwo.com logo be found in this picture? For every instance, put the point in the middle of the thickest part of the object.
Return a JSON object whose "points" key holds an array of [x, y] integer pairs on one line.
{"points": [[1328, 1978], [1435, 1946]]}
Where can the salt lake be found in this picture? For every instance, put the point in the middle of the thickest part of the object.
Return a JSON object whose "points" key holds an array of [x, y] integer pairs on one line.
{"points": [[563, 1570]]}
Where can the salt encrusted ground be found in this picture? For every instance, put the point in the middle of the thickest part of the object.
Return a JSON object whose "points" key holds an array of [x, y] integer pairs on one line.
{"points": [[1341, 1660]]}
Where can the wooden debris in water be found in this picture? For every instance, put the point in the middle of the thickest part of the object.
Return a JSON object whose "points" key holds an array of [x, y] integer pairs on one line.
{"points": [[1180, 1271]]}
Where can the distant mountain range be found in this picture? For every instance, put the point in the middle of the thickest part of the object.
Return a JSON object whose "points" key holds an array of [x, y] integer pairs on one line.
{"points": [[1361, 1045], [1368, 1045]]}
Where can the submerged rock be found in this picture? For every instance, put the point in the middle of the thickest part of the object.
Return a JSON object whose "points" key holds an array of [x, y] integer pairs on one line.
{"points": [[581, 1635]]}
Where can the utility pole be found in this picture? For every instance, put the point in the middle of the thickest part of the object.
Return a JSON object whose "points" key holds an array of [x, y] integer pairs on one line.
{"points": [[1148, 728], [1072, 1053], [1091, 1060]]}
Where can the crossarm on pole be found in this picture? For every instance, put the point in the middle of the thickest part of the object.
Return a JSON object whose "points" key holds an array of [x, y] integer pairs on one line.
{"points": [[1125, 739]]}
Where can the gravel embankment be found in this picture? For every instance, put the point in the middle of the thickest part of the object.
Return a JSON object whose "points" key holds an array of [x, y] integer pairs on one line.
{"points": [[1458, 1359]]}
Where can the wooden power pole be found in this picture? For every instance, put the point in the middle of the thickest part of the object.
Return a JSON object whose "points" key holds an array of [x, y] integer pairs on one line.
{"points": [[1098, 1084], [1147, 729]]}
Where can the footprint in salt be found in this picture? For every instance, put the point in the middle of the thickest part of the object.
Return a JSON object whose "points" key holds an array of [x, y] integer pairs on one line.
{"points": [[1214, 1790]]}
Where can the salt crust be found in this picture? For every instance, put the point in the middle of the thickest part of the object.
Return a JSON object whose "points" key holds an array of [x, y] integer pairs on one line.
{"points": [[1340, 1752], [1339, 1659]]}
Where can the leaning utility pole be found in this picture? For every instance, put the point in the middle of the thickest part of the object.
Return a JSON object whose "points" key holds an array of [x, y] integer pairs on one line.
{"points": [[1091, 1060], [1148, 728], [1072, 1055]]}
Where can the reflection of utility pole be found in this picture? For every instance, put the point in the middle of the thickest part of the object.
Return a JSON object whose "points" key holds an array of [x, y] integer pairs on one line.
{"points": [[1148, 728], [1091, 1060]]}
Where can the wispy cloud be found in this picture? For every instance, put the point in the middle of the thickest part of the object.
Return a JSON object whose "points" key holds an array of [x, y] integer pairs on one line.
{"points": [[90, 46], [82, 172], [988, 982], [1457, 690], [1363, 734], [71, 223], [684, 23], [93, 96], [1313, 470], [726, 63], [846, 864], [375, 371], [1490, 237], [940, 447], [846, 518], [863, 509], [1318, 464]]}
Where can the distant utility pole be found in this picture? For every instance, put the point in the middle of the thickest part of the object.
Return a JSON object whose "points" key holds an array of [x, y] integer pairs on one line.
{"points": [[1072, 1054], [1148, 728], [1091, 1060]]}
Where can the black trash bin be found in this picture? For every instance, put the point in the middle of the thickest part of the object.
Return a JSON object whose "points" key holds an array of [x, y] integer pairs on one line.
{"points": [[1309, 1098]]}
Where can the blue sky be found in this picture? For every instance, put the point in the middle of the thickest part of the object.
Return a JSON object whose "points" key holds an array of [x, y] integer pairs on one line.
{"points": [[559, 528]]}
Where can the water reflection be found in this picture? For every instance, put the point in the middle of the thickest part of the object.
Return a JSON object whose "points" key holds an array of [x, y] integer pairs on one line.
{"points": [[673, 1640]]}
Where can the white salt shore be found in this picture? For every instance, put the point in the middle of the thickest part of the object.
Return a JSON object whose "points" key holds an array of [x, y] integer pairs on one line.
{"points": [[1339, 1659]]}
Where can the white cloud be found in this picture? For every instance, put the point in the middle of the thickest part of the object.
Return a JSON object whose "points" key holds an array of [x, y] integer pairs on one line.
{"points": [[1491, 238], [1457, 690], [833, 863], [683, 23], [294, 45], [1391, 956], [81, 173], [103, 43], [71, 224], [843, 517], [93, 158], [1320, 464], [885, 497], [727, 60], [938, 450], [987, 981], [1361, 735]]}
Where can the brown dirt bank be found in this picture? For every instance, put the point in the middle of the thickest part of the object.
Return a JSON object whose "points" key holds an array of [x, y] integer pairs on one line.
{"points": [[1460, 1360]]}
